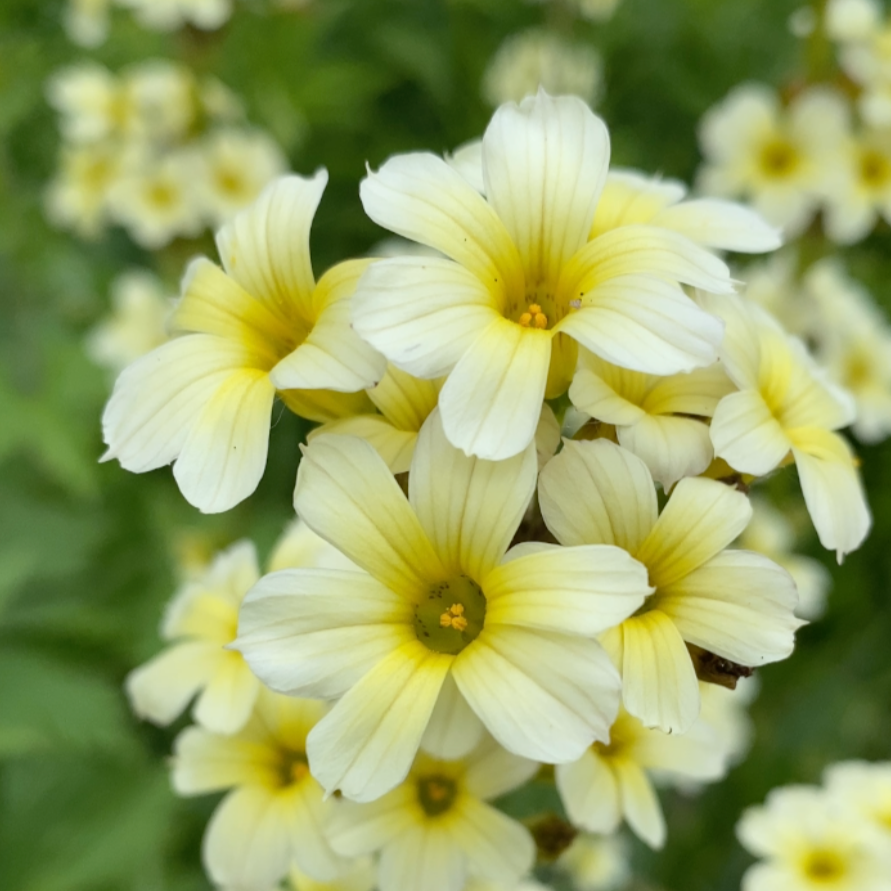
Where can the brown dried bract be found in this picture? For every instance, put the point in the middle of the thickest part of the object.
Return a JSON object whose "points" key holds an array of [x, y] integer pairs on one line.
{"points": [[715, 669]]}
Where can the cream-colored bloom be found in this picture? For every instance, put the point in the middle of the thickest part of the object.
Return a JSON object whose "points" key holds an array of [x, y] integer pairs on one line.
{"points": [[864, 790], [156, 200], [236, 165], [859, 191], [539, 58], [733, 604], [167, 15], [773, 284], [436, 829], [852, 20], [809, 843], [86, 21], [777, 158], [275, 812], [596, 863], [262, 326], [443, 630], [137, 324], [201, 620], [502, 317], [770, 533], [662, 420], [611, 781], [726, 713], [596, 10], [631, 199], [786, 406], [77, 196], [90, 102]]}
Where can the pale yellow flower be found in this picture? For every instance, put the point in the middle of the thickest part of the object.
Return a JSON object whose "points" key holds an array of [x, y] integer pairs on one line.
{"points": [[444, 630], [611, 783], [596, 862], [436, 830], [501, 318], [360, 876], [263, 326], [734, 604], [275, 811], [864, 790], [662, 420], [137, 323], [86, 21], [779, 159], [786, 406], [809, 843], [851, 20], [538, 58], [167, 15], [236, 165]]}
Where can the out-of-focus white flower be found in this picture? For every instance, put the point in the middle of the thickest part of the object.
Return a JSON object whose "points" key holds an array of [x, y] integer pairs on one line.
{"points": [[358, 877], [155, 199], [86, 21], [436, 829], [847, 20], [219, 102], [773, 284], [163, 93], [90, 101], [236, 165], [770, 533], [863, 789], [596, 10], [167, 15], [802, 22], [535, 58], [726, 712], [860, 189], [853, 342], [77, 196], [809, 843], [137, 324], [596, 862], [777, 158]]}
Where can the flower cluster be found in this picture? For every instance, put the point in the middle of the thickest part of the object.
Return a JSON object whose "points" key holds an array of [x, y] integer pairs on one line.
{"points": [[833, 838], [820, 150], [152, 150], [581, 401]]}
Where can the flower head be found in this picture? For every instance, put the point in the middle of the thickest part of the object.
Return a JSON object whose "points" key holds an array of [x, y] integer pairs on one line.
{"points": [[444, 629]]}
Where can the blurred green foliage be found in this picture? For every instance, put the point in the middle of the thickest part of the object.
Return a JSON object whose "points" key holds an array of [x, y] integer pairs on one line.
{"points": [[86, 550]]}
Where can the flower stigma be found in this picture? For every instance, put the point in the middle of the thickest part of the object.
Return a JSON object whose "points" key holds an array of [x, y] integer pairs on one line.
{"points": [[451, 615]]}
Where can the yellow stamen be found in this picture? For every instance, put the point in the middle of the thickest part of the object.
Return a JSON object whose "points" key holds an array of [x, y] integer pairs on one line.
{"points": [[535, 309], [541, 320], [526, 319], [299, 771], [453, 618]]}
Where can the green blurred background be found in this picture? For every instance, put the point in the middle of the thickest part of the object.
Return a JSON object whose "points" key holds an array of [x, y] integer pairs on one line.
{"points": [[88, 552]]}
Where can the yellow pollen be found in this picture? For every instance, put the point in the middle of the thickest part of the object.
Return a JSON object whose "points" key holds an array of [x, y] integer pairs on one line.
{"points": [[535, 309], [453, 617], [541, 320], [526, 320], [300, 771], [533, 317]]}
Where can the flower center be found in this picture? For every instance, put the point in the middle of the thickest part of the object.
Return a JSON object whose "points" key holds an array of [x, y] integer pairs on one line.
{"points": [[437, 794], [875, 169], [824, 866], [293, 768], [451, 615], [778, 158], [536, 308], [533, 317]]}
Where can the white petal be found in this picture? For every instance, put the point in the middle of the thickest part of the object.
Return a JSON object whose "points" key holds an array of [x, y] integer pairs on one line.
{"points": [[492, 770], [366, 744], [469, 508], [210, 762], [571, 590], [646, 325], [491, 402], [598, 493], [246, 844], [425, 856], [832, 490], [316, 632], [396, 447], [454, 729], [156, 399], [746, 435], [542, 696], [360, 829], [544, 166], [640, 804], [224, 455], [346, 493], [266, 247], [672, 448], [739, 605], [163, 687], [659, 682], [422, 313], [596, 397], [590, 794], [418, 196], [724, 225], [227, 701], [497, 848]]}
